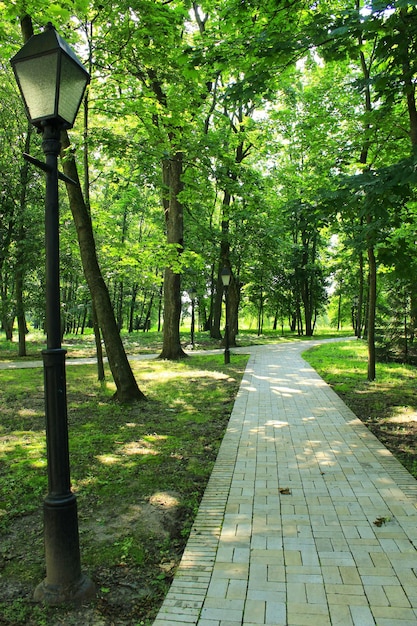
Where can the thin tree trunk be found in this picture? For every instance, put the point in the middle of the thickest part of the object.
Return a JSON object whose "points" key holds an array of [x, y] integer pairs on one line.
{"points": [[126, 385], [358, 329], [99, 347], [371, 314], [20, 261]]}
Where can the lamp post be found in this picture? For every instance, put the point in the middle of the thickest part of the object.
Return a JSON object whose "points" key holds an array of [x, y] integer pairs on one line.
{"points": [[193, 294], [52, 82], [225, 276], [355, 315]]}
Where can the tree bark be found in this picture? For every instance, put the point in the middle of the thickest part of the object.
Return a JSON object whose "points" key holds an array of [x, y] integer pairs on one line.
{"points": [[96, 326], [372, 313], [233, 293], [174, 220], [20, 260], [126, 385], [370, 245], [99, 347]]}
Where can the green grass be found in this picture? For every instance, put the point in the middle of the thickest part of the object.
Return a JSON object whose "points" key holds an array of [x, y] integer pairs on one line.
{"points": [[130, 465], [150, 342]]}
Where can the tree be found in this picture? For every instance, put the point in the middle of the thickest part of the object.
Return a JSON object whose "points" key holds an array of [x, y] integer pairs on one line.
{"points": [[126, 385]]}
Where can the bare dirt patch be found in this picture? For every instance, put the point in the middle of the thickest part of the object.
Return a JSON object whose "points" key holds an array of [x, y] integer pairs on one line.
{"points": [[126, 591]]}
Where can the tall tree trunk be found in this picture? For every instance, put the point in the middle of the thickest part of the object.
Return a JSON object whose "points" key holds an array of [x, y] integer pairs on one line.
{"points": [[358, 329], [99, 347], [372, 313], [305, 292], [410, 90], [126, 385], [20, 260], [132, 305], [216, 310], [233, 293], [233, 312], [407, 52], [174, 220], [96, 326], [370, 244]]}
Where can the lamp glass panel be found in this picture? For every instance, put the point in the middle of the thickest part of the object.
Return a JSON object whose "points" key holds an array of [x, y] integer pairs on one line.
{"points": [[73, 83], [37, 79], [225, 275]]}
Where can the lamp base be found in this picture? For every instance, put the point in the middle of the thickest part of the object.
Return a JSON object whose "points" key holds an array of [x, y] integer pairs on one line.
{"points": [[81, 591]]}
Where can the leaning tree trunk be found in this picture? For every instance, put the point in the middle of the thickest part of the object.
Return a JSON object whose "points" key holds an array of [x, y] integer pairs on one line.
{"points": [[126, 385], [174, 220], [96, 326]]}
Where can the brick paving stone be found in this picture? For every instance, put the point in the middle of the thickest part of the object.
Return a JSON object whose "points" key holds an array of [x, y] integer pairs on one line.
{"points": [[285, 532]]}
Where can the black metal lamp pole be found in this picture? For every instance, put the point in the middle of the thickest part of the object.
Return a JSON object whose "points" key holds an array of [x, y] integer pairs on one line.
{"points": [[64, 580], [225, 276], [52, 82]]}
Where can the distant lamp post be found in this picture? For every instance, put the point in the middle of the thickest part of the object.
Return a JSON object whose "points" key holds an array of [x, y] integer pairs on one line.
{"points": [[225, 275], [52, 82], [355, 315], [193, 294]]}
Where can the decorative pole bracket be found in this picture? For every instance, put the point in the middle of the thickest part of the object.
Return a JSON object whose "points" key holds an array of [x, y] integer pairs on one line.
{"points": [[45, 168]]}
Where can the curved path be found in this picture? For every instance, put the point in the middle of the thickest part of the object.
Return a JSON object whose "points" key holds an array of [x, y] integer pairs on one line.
{"points": [[285, 534]]}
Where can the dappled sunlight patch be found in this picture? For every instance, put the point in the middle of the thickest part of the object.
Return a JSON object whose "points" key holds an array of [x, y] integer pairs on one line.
{"points": [[403, 415], [25, 412], [39, 463], [285, 391], [165, 499], [247, 386], [24, 444], [108, 459], [162, 375], [138, 447], [83, 483], [276, 423], [382, 451], [325, 457]]}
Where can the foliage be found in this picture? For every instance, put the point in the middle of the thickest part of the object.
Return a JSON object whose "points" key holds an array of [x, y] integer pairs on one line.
{"points": [[265, 104]]}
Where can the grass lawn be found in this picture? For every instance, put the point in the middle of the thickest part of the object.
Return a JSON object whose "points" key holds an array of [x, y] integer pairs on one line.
{"points": [[139, 472], [146, 342]]}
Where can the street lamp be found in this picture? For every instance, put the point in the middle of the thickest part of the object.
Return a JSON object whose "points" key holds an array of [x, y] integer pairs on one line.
{"points": [[193, 294], [355, 315], [52, 82], [225, 276]]}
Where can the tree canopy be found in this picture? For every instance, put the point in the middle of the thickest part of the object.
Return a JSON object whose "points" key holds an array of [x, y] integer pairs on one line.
{"points": [[274, 138]]}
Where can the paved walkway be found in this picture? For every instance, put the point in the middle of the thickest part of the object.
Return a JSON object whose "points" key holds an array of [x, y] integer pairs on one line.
{"points": [[286, 534]]}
